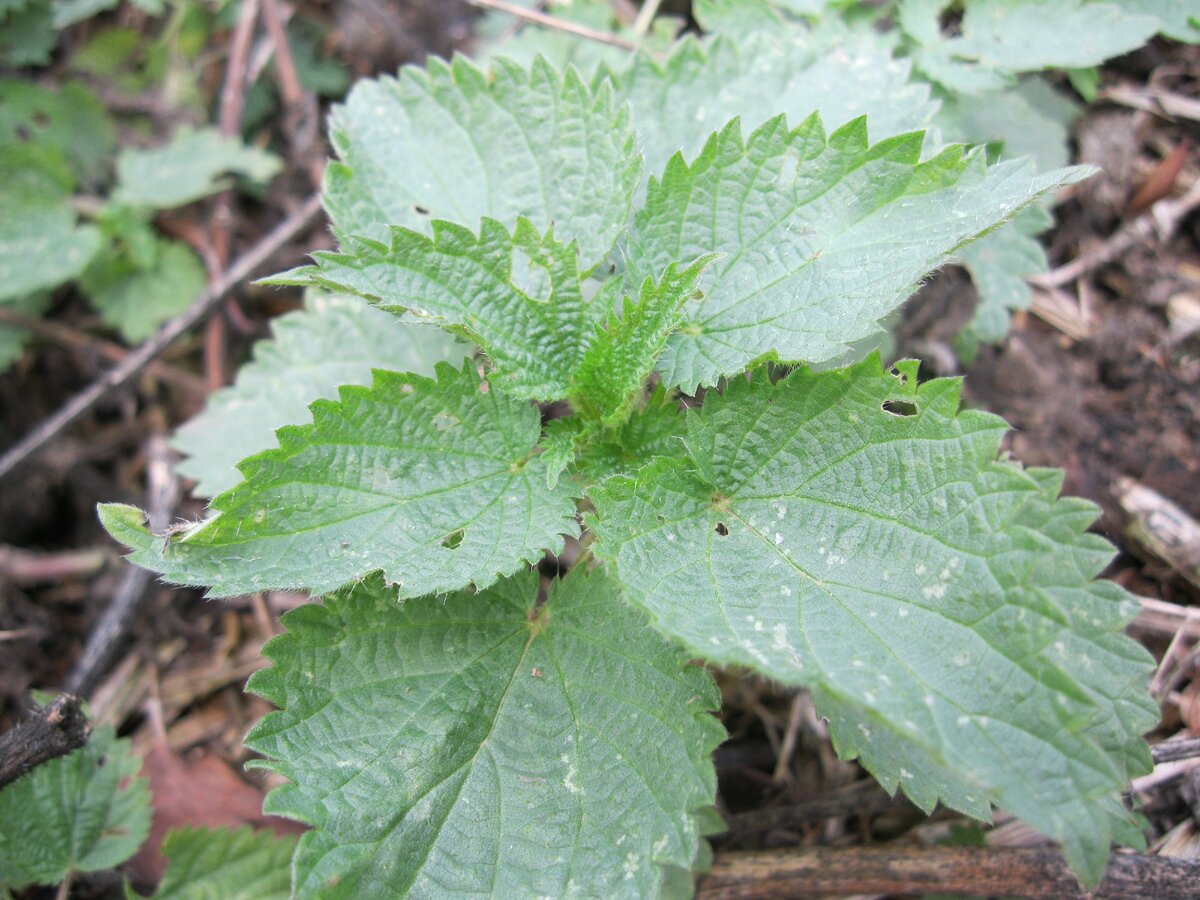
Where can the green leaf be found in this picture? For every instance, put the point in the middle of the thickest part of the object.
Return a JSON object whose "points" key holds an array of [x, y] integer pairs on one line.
{"points": [[1031, 119], [822, 237], [453, 143], [136, 301], [82, 812], [486, 744], [334, 340], [678, 103], [849, 531], [40, 244], [1178, 19], [14, 338], [654, 429], [616, 364], [1001, 37], [225, 864], [27, 34], [998, 264], [190, 167], [70, 12], [69, 121], [433, 482], [518, 296], [737, 17]]}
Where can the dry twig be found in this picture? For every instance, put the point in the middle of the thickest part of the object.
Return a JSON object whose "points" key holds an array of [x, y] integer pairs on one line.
{"points": [[1162, 219], [65, 336], [540, 18], [824, 871], [53, 731], [147, 352]]}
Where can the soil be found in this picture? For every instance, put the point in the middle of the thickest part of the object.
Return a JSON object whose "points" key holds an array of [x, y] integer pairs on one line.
{"points": [[1121, 401]]}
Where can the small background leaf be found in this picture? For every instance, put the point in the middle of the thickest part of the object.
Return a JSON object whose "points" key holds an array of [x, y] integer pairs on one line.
{"points": [[82, 812], [190, 167], [136, 301], [225, 864], [40, 244]]}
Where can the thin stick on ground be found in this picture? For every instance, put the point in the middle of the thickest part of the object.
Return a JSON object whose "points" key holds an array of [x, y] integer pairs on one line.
{"points": [[539, 18], [1163, 217], [229, 121], [1024, 872], [66, 336], [1175, 750], [162, 490], [143, 355], [646, 16]]}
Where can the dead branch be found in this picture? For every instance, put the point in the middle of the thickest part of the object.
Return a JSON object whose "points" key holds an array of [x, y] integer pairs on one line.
{"points": [[51, 732], [1030, 872], [148, 351]]}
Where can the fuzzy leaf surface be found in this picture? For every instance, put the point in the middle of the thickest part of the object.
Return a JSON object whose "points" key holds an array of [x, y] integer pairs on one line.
{"points": [[618, 361], [457, 144], [191, 166], [761, 76], [225, 864], [821, 237], [431, 481], [518, 296], [483, 744], [937, 599], [82, 812], [334, 340]]}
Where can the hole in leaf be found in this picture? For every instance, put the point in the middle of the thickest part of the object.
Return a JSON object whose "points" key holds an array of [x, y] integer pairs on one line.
{"points": [[530, 277], [453, 540], [722, 530], [901, 408], [896, 373]]}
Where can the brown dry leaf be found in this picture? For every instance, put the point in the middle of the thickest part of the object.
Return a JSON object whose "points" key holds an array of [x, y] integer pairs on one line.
{"points": [[200, 790]]}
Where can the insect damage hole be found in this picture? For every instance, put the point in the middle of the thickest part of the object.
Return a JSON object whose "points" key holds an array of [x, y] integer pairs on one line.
{"points": [[721, 529], [901, 408], [453, 540]]}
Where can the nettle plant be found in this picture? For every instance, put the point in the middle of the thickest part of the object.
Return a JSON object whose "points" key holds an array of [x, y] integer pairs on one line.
{"points": [[448, 723]]}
